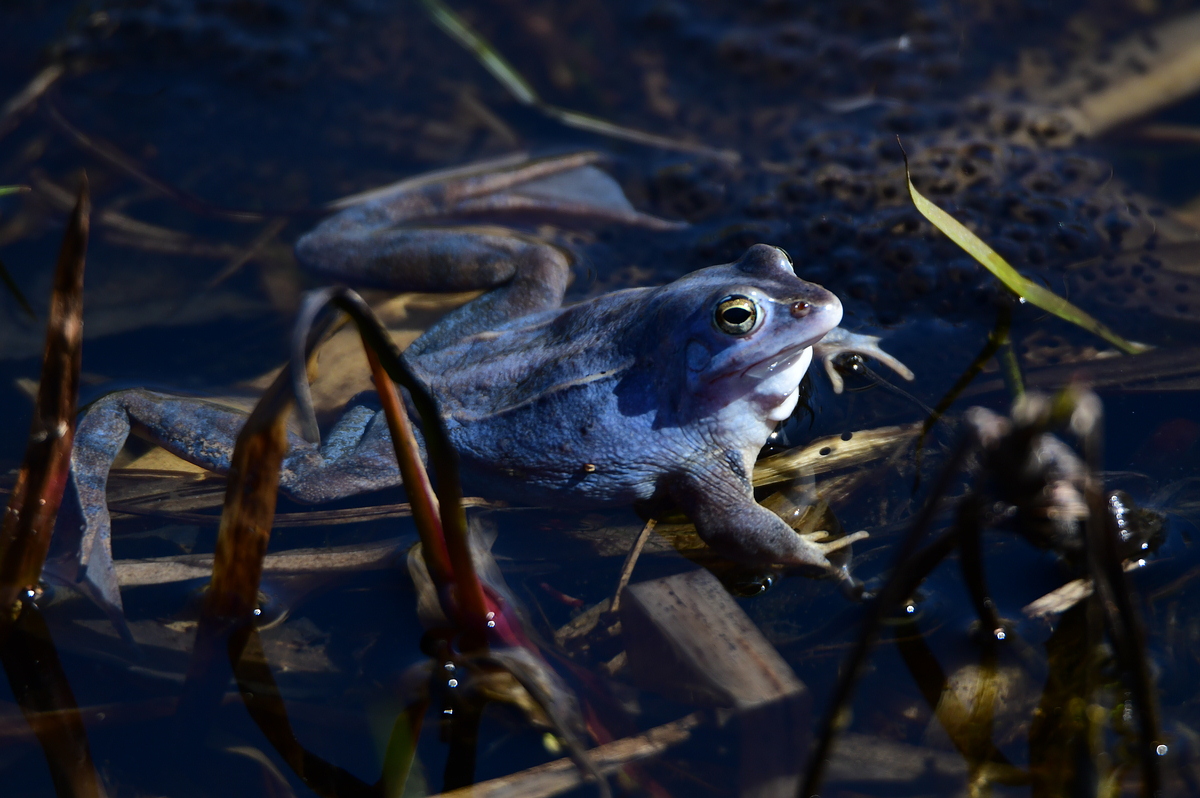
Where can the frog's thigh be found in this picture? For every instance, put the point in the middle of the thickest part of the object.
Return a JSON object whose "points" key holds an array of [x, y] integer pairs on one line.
{"points": [[356, 457], [729, 520], [525, 275], [538, 282]]}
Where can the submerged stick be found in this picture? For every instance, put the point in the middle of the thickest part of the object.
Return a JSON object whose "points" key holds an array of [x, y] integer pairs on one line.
{"points": [[630, 561]]}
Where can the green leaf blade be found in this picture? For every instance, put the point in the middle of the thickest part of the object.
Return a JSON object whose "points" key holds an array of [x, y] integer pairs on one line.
{"points": [[1022, 286]]}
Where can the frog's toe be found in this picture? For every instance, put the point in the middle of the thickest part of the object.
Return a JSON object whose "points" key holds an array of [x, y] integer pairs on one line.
{"points": [[821, 540], [840, 341]]}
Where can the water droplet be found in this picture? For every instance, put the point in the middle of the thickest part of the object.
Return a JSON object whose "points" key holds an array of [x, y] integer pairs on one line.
{"points": [[447, 711], [1141, 563], [1161, 750], [910, 608], [490, 615], [452, 683], [1000, 633], [449, 666], [491, 624], [257, 611]]}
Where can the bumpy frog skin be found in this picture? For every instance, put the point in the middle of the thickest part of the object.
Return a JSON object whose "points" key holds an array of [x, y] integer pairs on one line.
{"points": [[648, 396]]}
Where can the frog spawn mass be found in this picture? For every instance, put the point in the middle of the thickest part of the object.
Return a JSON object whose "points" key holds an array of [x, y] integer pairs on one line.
{"points": [[814, 96]]}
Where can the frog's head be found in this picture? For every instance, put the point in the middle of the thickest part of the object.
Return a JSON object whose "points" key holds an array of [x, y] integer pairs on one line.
{"points": [[750, 330]]}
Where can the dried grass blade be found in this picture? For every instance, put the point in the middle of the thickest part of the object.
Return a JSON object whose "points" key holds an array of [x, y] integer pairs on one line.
{"points": [[26, 648], [251, 490], [471, 603], [560, 776], [1022, 286], [124, 163], [523, 92], [492, 61], [269, 231], [477, 614], [425, 510], [602, 127], [241, 546], [253, 485], [28, 95], [227, 618], [33, 505]]}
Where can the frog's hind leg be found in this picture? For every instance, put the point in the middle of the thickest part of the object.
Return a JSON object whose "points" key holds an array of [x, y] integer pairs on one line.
{"points": [[372, 240], [523, 275], [355, 458], [200, 432]]}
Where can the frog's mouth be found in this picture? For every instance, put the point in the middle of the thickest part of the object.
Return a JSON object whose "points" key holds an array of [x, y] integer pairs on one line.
{"points": [[781, 361]]}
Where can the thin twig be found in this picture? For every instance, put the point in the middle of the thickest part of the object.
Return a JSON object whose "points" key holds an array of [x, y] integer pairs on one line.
{"points": [[630, 561], [272, 229], [34, 89]]}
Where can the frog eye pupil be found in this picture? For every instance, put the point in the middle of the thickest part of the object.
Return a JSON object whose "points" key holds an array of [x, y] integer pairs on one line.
{"points": [[736, 315]]}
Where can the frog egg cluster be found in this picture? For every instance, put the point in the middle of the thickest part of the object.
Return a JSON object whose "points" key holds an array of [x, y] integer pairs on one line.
{"points": [[842, 209]]}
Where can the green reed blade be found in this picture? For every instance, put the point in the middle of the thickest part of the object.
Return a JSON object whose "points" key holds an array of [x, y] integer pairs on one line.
{"points": [[1022, 286], [491, 60]]}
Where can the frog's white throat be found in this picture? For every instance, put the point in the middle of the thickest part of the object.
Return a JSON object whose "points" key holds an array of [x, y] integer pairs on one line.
{"points": [[778, 393]]}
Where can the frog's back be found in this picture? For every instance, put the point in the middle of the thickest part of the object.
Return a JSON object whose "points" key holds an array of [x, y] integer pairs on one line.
{"points": [[554, 402], [527, 360]]}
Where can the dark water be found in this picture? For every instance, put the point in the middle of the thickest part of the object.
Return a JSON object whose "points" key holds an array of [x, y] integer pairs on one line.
{"points": [[276, 108]]}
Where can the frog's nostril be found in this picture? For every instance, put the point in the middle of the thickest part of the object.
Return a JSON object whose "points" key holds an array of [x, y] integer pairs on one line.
{"points": [[800, 309]]}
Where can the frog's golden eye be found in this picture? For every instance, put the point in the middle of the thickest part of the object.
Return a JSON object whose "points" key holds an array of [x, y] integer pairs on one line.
{"points": [[735, 315]]}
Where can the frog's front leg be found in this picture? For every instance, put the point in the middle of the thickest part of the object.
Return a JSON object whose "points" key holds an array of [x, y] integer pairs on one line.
{"points": [[357, 457], [839, 341], [721, 505]]}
